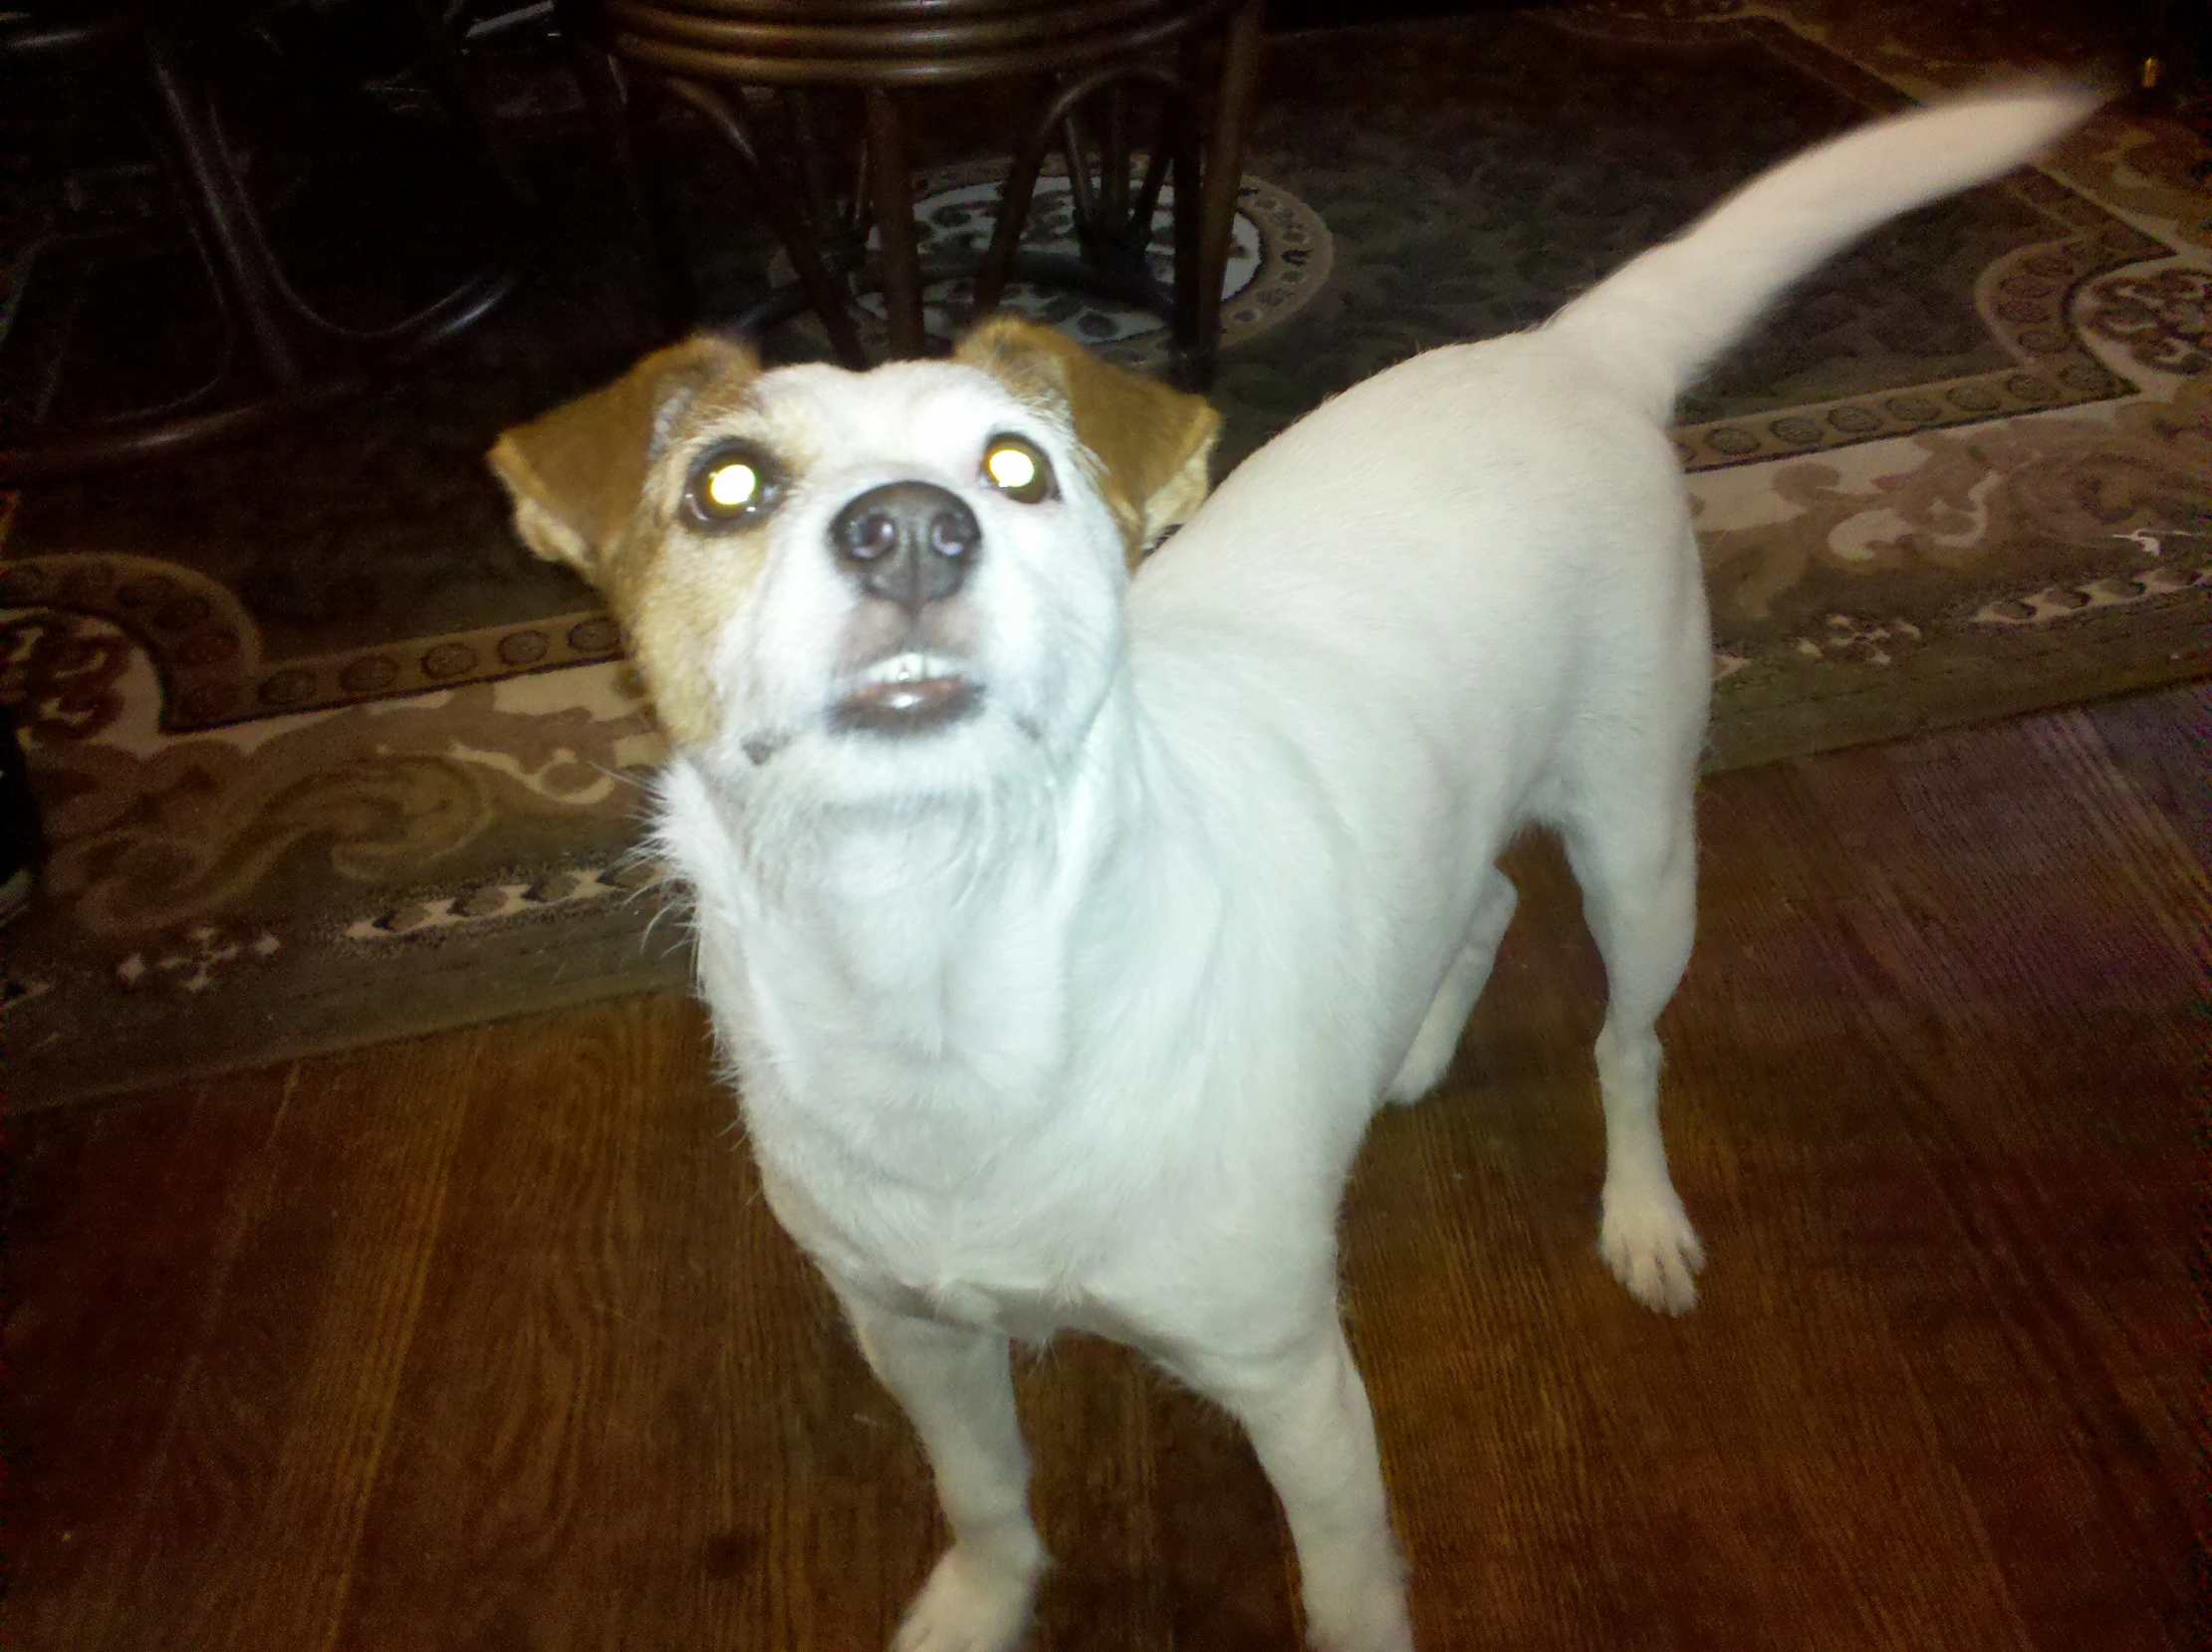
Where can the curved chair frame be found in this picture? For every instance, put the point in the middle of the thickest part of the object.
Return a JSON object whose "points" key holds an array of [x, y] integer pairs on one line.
{"points": [[279, 354], [736, 63]]}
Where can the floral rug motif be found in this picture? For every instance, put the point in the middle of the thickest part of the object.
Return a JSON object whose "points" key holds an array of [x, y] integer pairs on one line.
{"points": [[326, 759]]}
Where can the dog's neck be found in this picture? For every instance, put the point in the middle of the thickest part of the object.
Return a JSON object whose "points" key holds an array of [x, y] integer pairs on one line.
{"points": [[953, 931]]}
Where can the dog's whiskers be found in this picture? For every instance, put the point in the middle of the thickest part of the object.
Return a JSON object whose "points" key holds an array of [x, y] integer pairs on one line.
{"points": [[617, 775]]}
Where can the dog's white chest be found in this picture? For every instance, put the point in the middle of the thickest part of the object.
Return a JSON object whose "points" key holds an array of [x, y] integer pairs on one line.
{"points": [[937, 1211], [933, 1259], [918, 1021], [904, 1064]]}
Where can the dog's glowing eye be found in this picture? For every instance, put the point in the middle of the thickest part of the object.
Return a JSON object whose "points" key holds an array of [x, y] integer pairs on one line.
{"points": [[1018, 470], [1011, 468], [732, 485]]}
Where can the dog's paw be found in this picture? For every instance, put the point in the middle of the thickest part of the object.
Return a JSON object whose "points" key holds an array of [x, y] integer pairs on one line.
{"points": [[1373, 1621], [1648, 1243], [973, 1602], [1354, 1596]]}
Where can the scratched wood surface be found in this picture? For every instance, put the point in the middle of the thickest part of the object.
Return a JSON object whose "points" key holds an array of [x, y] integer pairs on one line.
{"points": [[486, 1341]]}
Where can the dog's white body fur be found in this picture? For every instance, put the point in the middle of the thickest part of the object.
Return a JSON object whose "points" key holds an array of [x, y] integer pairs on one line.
{"points": [[1074, 1013]]}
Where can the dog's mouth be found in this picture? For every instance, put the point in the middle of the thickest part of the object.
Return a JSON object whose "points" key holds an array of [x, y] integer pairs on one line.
{"points": [[908, 692]]}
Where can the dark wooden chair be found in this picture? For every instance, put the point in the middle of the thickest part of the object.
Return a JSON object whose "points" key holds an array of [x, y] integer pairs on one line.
{"points": [[279, 354], [754, 71]]}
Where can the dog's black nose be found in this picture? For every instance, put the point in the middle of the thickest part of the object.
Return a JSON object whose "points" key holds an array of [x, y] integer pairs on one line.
{"points": [[911, 543]]}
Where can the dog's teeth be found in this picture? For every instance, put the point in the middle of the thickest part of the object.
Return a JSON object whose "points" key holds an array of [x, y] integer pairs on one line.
{"points": [[907, 668]]}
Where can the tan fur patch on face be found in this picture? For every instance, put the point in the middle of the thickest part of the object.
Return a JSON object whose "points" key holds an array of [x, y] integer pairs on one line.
{"points": [[1152, 446], [675, 582], [674, 594], [582, 478]]}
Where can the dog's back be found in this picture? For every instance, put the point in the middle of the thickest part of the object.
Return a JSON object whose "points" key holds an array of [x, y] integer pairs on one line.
{"points": [[1518, 452], [1487, 549]]}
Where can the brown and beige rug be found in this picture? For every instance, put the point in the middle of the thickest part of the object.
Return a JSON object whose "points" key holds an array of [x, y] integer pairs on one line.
{"points": [[327, 759]]}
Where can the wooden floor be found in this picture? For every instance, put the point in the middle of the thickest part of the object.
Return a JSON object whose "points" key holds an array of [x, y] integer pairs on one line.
{"points": [[486, 1341]]}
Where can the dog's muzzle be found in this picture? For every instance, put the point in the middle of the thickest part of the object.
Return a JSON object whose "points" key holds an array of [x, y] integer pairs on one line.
{"points": [[909, 544]]}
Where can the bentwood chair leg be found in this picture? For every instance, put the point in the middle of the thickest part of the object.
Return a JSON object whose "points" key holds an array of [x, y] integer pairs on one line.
{"points": [[1006, 234], [643, 182], [1116, 166], [824, 291], [1240, 65], [446, 73], [1075, 150], [1020, 189], [222, 212], [891, 178], [1183, 139], [843, 245], [1141, 211]]}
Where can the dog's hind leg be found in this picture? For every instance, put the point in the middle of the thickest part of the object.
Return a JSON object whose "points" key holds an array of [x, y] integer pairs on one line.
{"points": [[1437, 1042], [1635, 856], [1305, 1411], [957, 1389]]}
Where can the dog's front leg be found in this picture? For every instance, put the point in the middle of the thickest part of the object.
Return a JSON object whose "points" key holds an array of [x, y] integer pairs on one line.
{"points": [[957, 1387], [1306, 1413]]}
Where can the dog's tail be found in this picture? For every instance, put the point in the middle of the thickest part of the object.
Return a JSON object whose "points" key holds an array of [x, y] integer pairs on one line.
{"points": [[1664, 316]]}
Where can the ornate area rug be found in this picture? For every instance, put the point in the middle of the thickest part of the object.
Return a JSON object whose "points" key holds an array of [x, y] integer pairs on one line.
{"points": [[326, 757]]}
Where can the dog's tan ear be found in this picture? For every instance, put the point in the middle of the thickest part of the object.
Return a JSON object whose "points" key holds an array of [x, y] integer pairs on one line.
{"points": [[1152, 444], [575, 473]]}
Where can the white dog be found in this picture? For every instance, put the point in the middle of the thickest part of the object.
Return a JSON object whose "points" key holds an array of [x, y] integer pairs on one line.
{"points": [[1064, 930]]}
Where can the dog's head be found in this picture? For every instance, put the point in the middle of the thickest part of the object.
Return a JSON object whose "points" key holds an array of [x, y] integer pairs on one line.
{"points": [[894, 573]]}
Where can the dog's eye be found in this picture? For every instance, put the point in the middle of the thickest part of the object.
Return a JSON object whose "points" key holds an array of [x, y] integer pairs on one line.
{"points": [[1019, 470], [731, 485]]}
